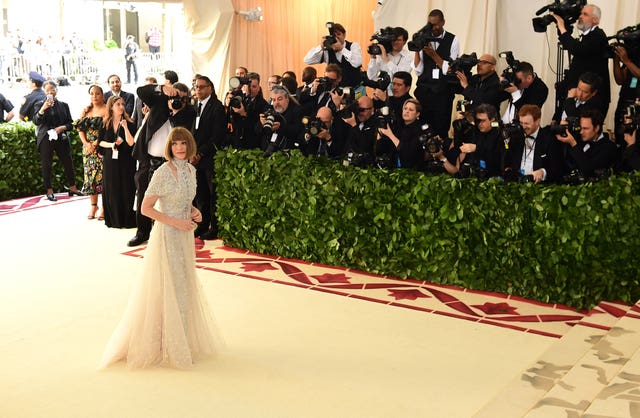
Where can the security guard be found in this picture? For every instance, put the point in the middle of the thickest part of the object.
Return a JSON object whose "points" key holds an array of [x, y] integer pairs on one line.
{"points": [[27, 108]]}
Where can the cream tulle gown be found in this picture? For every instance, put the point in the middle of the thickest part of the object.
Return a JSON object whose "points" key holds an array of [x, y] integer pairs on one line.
{"points": [[167, 320]]}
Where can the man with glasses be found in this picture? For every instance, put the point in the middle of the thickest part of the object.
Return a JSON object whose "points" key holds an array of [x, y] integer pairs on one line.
{"points": [[483, 148], [323, 94], [484, 86], [209, 131], [167, 109], [362, 136]]}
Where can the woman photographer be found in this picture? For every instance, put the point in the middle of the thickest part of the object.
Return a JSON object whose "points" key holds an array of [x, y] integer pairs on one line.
{"points": [[403, 148]]}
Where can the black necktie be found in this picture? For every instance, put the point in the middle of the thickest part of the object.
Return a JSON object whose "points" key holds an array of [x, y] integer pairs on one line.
{"points": [[199, 108]]}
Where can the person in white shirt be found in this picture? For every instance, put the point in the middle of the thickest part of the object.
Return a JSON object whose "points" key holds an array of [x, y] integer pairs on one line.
{"points": [[398, 59]]}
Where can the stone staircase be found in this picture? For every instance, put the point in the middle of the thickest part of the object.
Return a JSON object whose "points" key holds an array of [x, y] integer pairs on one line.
{"points": [[592, 371]]}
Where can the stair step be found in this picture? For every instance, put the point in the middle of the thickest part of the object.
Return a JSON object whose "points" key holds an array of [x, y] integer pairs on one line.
{"points": [[573, 394], [528, 387]]}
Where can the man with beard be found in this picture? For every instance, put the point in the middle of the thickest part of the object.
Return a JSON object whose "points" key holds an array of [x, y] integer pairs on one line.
{"points": [[282, 127]]}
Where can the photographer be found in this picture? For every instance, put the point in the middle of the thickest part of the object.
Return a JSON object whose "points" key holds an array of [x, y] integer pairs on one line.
{"points": [[348, 55], [397, 59], [323, 91], [244, 114], [400, 86], [585, 96], [626, 72], [589, 53], [631, 153], [281, 127], [533, 152], [402, 146], [362, 134], [483, 150], [484, 86], [529, 90], [431, 64], [592, 151], [325, 135]]}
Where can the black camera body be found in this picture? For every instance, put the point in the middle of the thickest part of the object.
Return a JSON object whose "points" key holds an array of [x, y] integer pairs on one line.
{"points": [[178, 102], [632, 112], [421, 38], [464, 63], [573, 127], [429, 140], [629, 38], [384, 116], [357, 159], [509, 74], [569, 10], [331, 38], [384, 37], [511, 130], [324, 84], [383, 79], [271, 117], [312, 125], [462, 105]]}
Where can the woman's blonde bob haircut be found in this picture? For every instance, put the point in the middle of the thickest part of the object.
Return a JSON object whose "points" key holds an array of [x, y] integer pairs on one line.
{"points": [[179, 134]]}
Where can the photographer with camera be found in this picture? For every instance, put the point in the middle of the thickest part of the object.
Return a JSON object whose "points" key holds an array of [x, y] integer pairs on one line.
{"points": [[585, 96], [531, 153], [325, 135], [244, 114], [626, 72], [484, 86], [389, 60], [525, 89], [631, 153], [588, 53], [592, 152], [482, 151], [431, 63], [324, 91], [362, 134], [335, 49], [402, 145], [400, 86], [281, 126]]}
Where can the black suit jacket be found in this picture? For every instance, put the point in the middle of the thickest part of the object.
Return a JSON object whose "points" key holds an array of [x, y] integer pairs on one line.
{"points": [[53, 117], [535, 94], [546, 154], [484, 91], [129, 100], [211, 134], [595, 102], [592, 155], [588, 54]]}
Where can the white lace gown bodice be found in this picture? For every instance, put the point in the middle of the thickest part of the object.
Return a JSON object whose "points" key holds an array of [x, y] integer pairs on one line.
{"points": [[167, 320]]}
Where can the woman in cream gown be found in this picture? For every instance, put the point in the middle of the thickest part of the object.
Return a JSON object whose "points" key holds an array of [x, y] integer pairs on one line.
{"points": [[167, 320]]}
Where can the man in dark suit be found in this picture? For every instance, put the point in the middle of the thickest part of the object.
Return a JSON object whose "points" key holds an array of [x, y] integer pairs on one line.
{"points": [[245, 114], [585, 96], [433, 90], [168, 107], [530, 89], [593, 151], [210, 132], [484, 86], [330, 140], [536, 153], [588, 53], [115, 86]]}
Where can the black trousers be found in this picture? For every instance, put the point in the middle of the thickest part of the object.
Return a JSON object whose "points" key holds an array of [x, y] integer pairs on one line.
{"points": [[206, 196], [141, 179], [436, 109], [63, 149]]}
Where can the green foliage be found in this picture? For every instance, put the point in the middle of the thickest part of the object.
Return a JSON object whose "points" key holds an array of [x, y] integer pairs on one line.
{"points": [[20, 173], [574, 245]]}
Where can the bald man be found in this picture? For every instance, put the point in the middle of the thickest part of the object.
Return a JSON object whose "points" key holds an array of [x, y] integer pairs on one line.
{"points": [[363, 132], [484, 86]]}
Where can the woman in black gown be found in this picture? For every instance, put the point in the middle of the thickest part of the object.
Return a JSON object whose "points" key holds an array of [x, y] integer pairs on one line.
{"points": [[119, 167]]}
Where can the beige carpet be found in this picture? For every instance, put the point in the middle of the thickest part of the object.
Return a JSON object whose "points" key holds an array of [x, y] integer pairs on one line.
{"points": [[291, 351]]}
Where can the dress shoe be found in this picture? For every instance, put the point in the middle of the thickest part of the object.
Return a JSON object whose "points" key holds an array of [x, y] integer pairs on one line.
{"points": [[210, 235], [51, 197], [75, 192], [137, 240]]}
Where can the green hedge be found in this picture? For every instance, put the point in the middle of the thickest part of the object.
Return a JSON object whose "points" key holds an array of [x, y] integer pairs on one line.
{"points": [[20, 173], [574, 245]]}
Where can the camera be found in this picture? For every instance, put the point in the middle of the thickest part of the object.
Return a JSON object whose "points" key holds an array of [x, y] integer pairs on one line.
{"points": [[572, 127], [384, 117], [384, 37], [271, 117], [357, 159], [238, 82], [177, 102], [236, 100], [569, 10], [324, 84], [429, 140], [348, 111], [631, 119], [511, 130], [421, 38], [511, 175], [312, 125], [464, 63], [629, 38], [475, 169], [509, 74], [462, 104], [382, 80], [331, 39]]}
